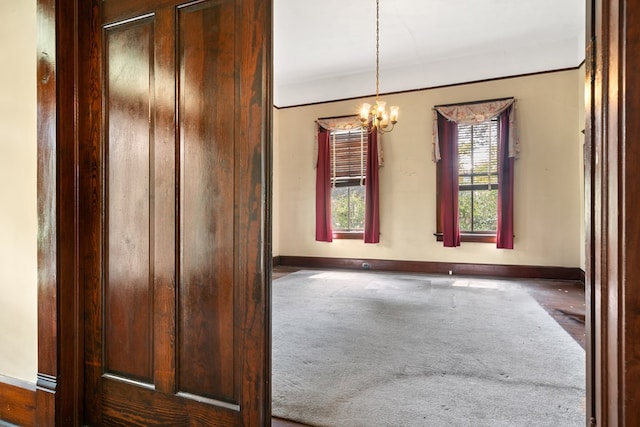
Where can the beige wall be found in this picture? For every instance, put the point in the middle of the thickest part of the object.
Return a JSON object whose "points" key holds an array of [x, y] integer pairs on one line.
{"points": [[18, 222], [581, 126], [275, 214], [547, 182]]}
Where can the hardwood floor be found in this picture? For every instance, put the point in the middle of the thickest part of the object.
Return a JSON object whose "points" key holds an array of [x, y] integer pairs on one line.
{"points": [[563, 300]]}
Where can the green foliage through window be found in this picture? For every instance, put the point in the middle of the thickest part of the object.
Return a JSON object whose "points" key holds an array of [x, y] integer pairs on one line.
{"points": [[347, 208]]}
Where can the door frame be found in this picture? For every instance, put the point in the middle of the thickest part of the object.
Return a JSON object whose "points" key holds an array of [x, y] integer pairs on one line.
{"points": [[59, 378], [612, 93], [63, 50]]}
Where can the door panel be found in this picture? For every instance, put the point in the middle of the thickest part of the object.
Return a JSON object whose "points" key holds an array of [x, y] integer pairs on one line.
{"points": [[128, 280], [177, 320], [207, 169]]}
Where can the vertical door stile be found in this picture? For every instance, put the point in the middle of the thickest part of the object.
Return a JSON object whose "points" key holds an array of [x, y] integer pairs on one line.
{"points": [[165, 194]]}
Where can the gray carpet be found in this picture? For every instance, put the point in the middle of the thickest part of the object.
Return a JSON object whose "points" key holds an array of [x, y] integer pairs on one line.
{"points": [[374, 349]]}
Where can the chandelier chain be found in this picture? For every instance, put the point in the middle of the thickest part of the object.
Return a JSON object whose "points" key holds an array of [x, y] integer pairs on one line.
{"points": [[376, 117], [377, 49]]}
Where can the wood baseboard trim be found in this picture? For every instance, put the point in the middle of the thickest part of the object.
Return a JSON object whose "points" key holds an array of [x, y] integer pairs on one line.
{"points": [[18, 401], [276, 261], [427, 267]]}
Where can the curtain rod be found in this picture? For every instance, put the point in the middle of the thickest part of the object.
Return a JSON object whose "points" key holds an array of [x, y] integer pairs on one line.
{"points": [[474, 102], [337, 117]]}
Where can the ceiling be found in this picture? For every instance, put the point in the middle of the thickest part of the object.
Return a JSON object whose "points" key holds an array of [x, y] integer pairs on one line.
{"points": [[325, 50]]}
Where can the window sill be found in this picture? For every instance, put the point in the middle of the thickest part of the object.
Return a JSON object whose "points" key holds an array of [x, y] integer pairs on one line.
{"points": [[472, 237], [348, 235]]}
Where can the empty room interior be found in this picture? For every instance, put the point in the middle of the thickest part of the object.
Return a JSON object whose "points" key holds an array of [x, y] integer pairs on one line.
{"points": [[489, 63], [385, 217]]}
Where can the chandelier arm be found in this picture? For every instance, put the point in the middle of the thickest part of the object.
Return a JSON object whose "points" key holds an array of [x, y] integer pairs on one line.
{"points": [[388, 129]]}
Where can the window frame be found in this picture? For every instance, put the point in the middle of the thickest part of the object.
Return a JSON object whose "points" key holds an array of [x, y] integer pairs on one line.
{"points": [[357, 234], [346, 233], [485, 236]]}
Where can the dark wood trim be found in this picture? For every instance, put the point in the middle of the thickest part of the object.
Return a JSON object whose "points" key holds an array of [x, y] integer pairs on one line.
{"points": [[47, 98], [603, 400], [275, 261], [429, 267], [348, 235], [17, 401], [68, 382], [613, 111], [589, 187], [559, 70], [257, 40], [337, 117], [58, 390], [623, 243], [471, 237]]}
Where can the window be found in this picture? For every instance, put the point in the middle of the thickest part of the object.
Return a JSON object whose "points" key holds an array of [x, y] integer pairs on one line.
{"points": [[345, 156], [475, 146], [348, 153], [347, 209], [478, 177]]}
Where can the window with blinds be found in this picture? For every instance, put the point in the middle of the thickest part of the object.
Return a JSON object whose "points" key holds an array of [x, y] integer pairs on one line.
{"points": [[348, 156], [478, 176], [348, 151]]}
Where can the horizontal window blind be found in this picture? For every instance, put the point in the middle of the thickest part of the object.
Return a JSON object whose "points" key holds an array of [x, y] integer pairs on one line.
{"points": [[478, 156], [478, 176], [348, 156]]}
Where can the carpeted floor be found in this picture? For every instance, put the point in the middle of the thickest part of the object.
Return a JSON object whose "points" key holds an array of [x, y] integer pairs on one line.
{"points": [[375, 349]]}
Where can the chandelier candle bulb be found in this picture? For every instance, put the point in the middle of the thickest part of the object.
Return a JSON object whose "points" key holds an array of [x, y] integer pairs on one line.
{"points": [[380, 109], [393, 114], [364, 112]]}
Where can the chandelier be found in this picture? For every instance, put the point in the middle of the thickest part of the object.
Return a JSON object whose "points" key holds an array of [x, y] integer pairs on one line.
{"points": [[377, 114]]}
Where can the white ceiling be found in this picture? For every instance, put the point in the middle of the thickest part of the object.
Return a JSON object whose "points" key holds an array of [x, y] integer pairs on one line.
{"points": [[325, 50]]}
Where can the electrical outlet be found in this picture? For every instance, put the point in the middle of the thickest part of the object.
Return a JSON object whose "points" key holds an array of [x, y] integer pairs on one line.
{"points": [[450, 272], [365, 266]]}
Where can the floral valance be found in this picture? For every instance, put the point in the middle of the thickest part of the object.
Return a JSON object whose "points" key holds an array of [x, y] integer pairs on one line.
{"points": [[340, 123], [473, 113], [345, 123]]}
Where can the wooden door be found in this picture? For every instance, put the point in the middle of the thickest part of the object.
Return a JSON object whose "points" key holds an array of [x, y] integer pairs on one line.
{"points": [[175, 183]]}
